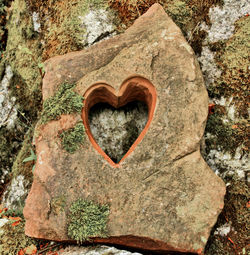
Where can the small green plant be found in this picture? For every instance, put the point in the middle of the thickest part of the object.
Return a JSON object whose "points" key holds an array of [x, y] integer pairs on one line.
{"points": [[65, 101], [39, 65], [33, 158], [87, 219], [72, 138], [2, 7]]}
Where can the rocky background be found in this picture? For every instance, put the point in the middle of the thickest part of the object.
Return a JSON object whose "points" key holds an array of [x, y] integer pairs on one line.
{"points": [[31, 31]]}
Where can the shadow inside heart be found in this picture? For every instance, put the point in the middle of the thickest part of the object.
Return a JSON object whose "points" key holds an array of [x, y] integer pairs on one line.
{"points": [[115, 130]]}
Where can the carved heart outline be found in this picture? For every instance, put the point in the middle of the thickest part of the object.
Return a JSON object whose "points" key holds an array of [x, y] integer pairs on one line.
{"points": [[132, 89]]}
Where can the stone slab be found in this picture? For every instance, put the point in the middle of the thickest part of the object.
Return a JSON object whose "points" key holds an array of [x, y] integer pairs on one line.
{"points": [[162, 195]]}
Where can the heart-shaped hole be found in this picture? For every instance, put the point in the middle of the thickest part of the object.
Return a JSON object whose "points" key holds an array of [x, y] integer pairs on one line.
{"points": [[115, 130], [115, 124]]}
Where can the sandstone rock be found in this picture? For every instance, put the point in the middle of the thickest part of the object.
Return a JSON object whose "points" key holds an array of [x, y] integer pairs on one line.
{"points": [[162, 195]]}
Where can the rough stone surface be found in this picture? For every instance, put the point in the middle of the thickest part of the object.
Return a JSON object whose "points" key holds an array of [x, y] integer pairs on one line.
{"points": [[97, 24], [99, 250], [162, 195]]}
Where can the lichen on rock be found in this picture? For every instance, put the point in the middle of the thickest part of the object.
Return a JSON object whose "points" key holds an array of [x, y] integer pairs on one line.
{"points": [[208, 66], [23, 51], [72, 138], [87, 219], [16, 193], [223, 19], [225, 64], [75, 24], [8, 113], [14, 197], [65, 101], [97, 24]]}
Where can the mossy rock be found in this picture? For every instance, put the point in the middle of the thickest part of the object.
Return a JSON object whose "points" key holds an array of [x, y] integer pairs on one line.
{"points": [[87, 219], [72, 138], [58, 204], [23, 51], [233, 58], [223, 135], [66, 31], [65, 101]]}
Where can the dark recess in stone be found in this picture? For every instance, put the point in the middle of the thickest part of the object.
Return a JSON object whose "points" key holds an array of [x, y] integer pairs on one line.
{"points": [[115, 130]]}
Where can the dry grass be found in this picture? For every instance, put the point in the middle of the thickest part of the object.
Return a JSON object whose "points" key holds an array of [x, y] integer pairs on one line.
{"points": [[130, 10], [187, 14]]}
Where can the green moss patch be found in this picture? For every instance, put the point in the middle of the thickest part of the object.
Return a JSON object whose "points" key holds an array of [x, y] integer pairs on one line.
{"points": [[23, 52], [232, 56], [65, 101], [72, 138], [87, 219], [233, 59], [227, 136]]}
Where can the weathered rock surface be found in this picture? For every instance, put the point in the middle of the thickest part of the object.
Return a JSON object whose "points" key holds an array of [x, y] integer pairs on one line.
{"points": [[162, 195], [99, 250]]}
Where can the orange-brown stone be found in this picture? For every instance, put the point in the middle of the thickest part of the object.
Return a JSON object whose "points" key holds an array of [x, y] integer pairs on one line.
{"points": [[162, 194]]}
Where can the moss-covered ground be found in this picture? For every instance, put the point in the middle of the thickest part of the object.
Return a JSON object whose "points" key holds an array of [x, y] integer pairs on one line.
{"points": [[21, 50], [13, 239], [25, 49], [23, 54], [232, 57], [235, 213], [4, 4], [61, 19]]}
